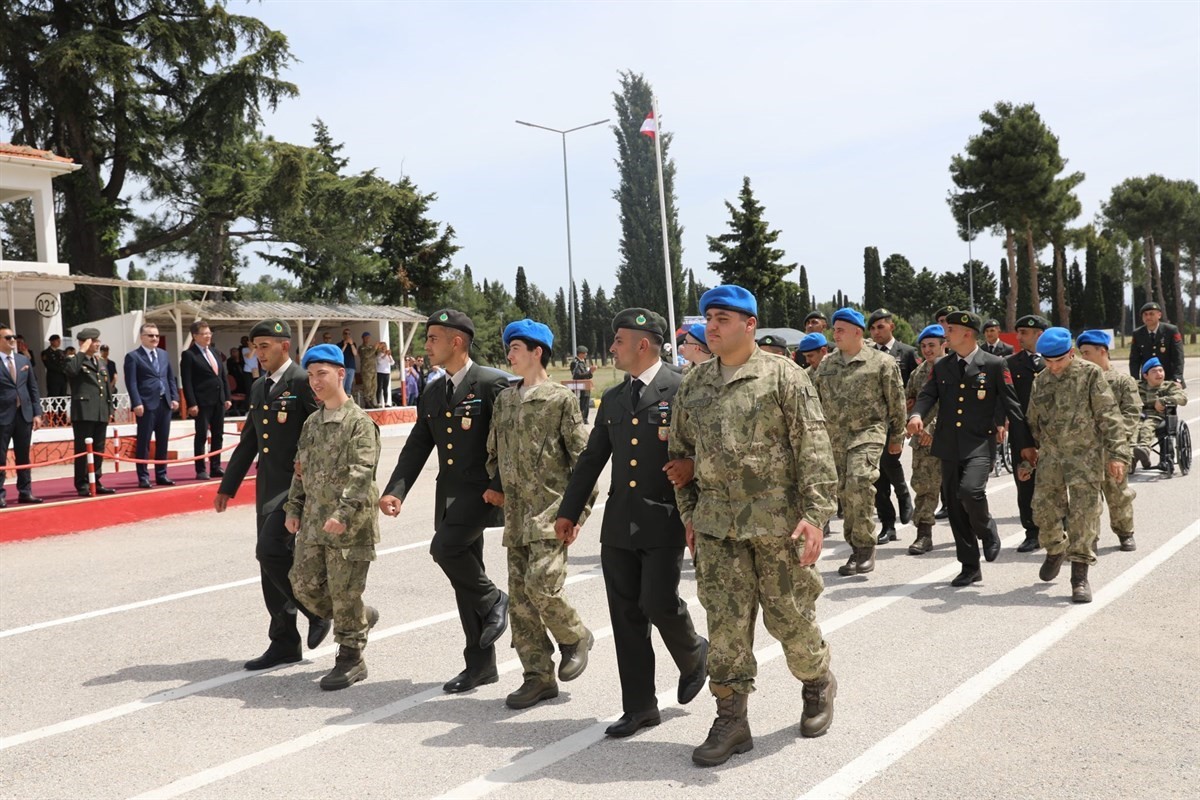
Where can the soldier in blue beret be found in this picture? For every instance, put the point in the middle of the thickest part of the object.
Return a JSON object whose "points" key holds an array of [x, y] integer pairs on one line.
{"points": [[813, 347], [694, 346]]}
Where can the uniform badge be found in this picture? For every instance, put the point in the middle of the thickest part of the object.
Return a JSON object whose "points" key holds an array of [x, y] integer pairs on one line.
{"points": [[982, 393], [466, 423], [663, 433], [281, 417]]}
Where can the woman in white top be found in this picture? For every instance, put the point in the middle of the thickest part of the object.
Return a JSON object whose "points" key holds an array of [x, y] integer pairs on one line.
{"points": [[383, 375]]}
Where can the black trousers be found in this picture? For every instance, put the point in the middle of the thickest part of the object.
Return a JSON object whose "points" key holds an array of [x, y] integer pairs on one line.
{"points": [[585, 404], [96, 431], [964, 485], [20, 433], [643, 590], [208, 418], [1024, 497], [458, 550], [156, 423], [891, 476], [274, 554]]}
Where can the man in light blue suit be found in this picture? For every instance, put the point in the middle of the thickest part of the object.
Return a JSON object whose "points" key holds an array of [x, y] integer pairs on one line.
{"points": [[153, 395]]}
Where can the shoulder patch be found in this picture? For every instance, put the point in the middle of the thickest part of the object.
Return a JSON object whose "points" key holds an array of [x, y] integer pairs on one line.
{"points": [[1008, 377]]}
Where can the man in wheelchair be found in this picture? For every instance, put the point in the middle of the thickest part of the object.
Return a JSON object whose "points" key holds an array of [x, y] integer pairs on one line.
{"points": [[1157, 429]]}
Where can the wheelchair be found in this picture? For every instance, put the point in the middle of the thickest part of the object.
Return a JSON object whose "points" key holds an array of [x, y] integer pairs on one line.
{"points": [[1173, 446]]}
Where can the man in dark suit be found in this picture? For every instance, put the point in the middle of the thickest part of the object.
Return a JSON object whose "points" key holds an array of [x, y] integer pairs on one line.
{"points": [[454, 415], [20, 412], [974, 394], [91, 407], [882, 328], [55, 361], [641, 539], [992, 342], [206, 388], [280, 401], [1157, 339], [1024, 366], [153, 395]]}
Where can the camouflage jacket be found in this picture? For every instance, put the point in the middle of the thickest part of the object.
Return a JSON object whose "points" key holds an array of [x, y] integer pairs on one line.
{"points": [[863, 399], [337, 453], [915, 381], [761, 451], [367, 358], [1075, 421], [1169, 394], [1129, 402], [532, 446]]}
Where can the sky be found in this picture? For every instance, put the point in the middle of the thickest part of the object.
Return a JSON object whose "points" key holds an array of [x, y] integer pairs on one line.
{"points": [[843, 115]]}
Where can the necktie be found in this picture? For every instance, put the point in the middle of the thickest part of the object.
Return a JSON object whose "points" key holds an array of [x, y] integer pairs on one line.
{"points": [[962, 368], [449, 392], [212, 362], [153, 359], [635, 391], [883, 348], [12, 370]]}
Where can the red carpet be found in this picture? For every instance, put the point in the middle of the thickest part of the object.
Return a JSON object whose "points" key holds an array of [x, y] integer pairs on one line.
{"points": [[66, 512]]}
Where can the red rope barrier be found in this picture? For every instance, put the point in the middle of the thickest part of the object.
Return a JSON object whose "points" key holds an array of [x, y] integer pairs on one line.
{"points": [[118, 458]]}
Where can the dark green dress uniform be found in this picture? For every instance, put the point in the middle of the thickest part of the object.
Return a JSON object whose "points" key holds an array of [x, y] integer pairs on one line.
{"points": [[1024, 367], [1165, 344], [891, 470], [91, 408], [272, 433], [642, 536]]}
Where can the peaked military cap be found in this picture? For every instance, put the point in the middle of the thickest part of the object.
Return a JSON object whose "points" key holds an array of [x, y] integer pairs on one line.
{"points": [[323, 354], [1099, 338], [967, 319], [1150, 307], [277, 328], [878, 314], [813, 341], [731, 298], [532, 331], [449, 318], [641, 319], [1054, 342]]}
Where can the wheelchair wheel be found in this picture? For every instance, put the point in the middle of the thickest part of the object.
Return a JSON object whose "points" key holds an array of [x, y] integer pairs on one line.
{"points": [[1183, 444]]}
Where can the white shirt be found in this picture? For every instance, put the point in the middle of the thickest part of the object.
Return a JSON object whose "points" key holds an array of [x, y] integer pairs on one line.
{"points": [[890, 345], [647, 376], [274, 377], [458, 377], [151, 354]]}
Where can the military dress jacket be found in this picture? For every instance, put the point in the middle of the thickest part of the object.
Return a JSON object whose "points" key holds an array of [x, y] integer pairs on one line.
{"points": [[271, 433], [1074, 419], [1023, 367], [458, 430], [91, 396], [1000, 348], [906, 359], [972, 406], [1165, 344], [641, 512]]}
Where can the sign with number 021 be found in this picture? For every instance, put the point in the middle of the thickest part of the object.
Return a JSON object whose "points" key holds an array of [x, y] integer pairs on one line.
{"points": [[46, 304]]}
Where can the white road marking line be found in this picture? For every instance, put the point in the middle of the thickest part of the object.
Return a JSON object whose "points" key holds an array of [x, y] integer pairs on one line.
{"points": [[850, 778], [190, 689]]}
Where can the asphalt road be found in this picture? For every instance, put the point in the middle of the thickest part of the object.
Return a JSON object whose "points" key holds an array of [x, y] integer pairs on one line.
{"points": [[121, 653]]}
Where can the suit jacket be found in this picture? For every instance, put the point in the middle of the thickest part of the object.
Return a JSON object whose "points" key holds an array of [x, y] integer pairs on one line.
{"points": [[459, 431], [1000, 348], [641, 511], [25, 389], [272, 433], [202, 386], [148, 383], [1165, 343], [972, 407], [906, 358], [91, 396]]}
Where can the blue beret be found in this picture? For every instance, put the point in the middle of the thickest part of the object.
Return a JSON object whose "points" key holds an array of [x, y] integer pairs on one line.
{"points": [[931, 332], [323, 354], [1151, 364], [1055, 342], [697, 331], [730, 297], [851, 316], [1094, 337], [813, 341], [528, 329]]}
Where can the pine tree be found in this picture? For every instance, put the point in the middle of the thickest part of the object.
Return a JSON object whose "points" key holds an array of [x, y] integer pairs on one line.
{"points": [[584, 320], [521, 293], [873, 287], [561, 322], [744, 254]]}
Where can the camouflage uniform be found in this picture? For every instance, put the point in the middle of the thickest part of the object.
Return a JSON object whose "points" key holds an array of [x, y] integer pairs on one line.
{"points": [[337, 453], [762, 464], [367, 356], [926, 467], [533, 444], [1078, 428], [1169, 393], [864, 404], [1117, 494]]}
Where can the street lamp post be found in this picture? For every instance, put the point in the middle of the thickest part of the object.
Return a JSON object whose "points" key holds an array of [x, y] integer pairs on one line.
{"points": [[567, 196], [970, 260]]}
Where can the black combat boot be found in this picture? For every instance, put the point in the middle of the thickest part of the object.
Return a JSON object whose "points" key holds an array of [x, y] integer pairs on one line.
{"points": [[1080, 591], [575, 657], [924, 542], [533, 691], [818, 705], [1051, 566], [1128, 545], [730, 732], [348, 669]]}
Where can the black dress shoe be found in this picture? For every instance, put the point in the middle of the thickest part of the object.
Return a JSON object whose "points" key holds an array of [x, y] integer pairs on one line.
{"points": [[318, 629], [201, 476], [103, 490], [28, 499], [629, 724], [1030, 544], [164, 482], [968, 576], [691, 683], [83, 493], [942, 513], [272, 658], [906, 510], [468, 680], [217, 472], [143, 483], [888, 534], [3, 503], [991, 546], [495, 623]]}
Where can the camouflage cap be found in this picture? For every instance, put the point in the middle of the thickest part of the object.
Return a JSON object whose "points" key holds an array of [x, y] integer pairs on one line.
{"points": [[276, 328], [641, 319], [449, 318]]}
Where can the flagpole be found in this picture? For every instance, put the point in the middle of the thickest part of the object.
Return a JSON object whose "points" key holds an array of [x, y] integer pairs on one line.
{"points": [[662, 207]]}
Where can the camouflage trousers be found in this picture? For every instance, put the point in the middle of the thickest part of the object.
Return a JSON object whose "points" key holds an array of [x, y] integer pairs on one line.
{"points": [[857, 471], [536, 574], [1079, 503], [329, 582], [1119, 497], [926, 485], [736, 576], [369, 387]]}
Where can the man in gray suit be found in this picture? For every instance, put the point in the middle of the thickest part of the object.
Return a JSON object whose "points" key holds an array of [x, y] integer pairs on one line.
{"points": [[20, 412]]}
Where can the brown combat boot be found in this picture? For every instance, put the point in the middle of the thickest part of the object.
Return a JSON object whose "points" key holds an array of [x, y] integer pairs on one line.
{"points": [[924, 542], [818, 705], [533, 691], [849, 568], [1128, 545], [865, 560], [1080, 591], [1051, 566], [730, 732], [348, 669], [575, 657]]}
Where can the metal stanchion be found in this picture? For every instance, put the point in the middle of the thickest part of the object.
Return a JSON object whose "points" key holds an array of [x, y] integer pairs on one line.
{"points": [[91, 466]]}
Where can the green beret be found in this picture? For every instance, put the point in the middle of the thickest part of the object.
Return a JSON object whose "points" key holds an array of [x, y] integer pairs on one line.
{"points": [[1033, 321], [1151, 306], [641, 319], [449, 318], [943, 311], [88, 333], [581, 349], [878, 314], [966, 319], [771, 340], [274, 328]]}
